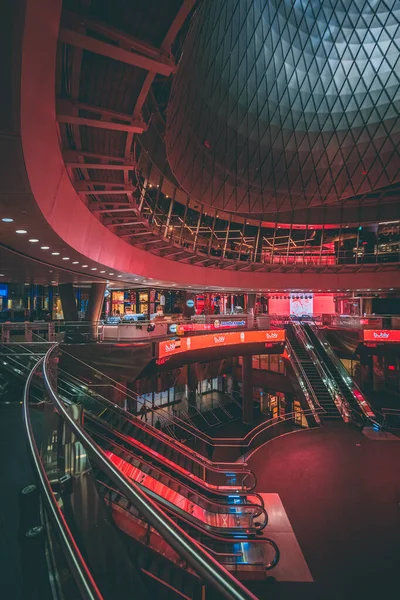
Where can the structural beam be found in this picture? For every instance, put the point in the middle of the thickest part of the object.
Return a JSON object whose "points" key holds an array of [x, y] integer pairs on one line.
{"points": [[129, 57], [101, 124], [110, 221], [81, 184], [71, 20], [107, 192], [114, 210], [69, 107]]}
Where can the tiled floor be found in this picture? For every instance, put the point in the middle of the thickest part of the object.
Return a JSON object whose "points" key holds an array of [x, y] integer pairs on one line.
{"points": [[380, 435], [292, 565]]}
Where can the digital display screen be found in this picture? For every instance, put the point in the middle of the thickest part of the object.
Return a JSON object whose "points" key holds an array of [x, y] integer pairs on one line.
{"points": [[382, 335], [172, 347], [301, 306]]}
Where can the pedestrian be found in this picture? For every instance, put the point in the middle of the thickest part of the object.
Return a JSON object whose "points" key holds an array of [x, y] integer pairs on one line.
{"points": [[143, 412]]}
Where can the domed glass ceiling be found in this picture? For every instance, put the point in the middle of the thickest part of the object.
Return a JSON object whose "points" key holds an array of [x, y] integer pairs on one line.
{"points": [[287, 104]]}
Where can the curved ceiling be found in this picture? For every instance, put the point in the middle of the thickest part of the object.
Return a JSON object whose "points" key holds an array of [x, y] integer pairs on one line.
{"points": [[281, 106], [63, 155]]}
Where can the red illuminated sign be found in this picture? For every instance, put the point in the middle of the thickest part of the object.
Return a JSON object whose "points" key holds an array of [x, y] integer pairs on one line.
{"points": [[382, 335], [170, 347]]}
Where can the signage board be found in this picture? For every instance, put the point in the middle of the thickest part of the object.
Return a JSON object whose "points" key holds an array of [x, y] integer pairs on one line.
{"points": [[213, 340], [382, 335]]}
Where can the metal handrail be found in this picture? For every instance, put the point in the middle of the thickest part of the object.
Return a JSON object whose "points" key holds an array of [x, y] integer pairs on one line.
{"points": [[343, 372], [173, 420], [324, 372], [219, 467], [77, 564], [300, 373], [201, 561]]}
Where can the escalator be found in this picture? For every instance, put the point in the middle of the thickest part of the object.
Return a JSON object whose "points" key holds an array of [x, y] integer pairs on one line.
{"points": [[314, 375], [107, 536], [344, 382], [16, 362], [233, 514], [162, 450], [236, 553]]}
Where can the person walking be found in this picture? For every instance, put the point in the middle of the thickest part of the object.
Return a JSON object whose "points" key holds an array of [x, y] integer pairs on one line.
{"points": [[143, 412]]}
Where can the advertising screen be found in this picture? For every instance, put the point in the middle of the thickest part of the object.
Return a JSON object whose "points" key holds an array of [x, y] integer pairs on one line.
{"points": [[172, 347], [382, 335], [301, 306]]}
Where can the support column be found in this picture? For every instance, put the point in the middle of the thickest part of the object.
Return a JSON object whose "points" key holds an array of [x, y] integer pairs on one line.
{"points": [[192, 383], [68, 302], [95, 305], [289, 398], [247, 390], [251, 302]]}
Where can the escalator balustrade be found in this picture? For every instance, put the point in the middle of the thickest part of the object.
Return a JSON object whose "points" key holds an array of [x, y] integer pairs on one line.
{"points": [[321, 391]]}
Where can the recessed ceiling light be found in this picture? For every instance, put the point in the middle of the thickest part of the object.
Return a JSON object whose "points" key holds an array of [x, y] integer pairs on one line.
{"points": [[65, 257], [7, 220], [102, 271], [136, 279], [33, 240], [55, 253], [45, 247], [111, 273], [21, 231], [84, 266], [391, 289], [54, 282], [1, 274], [119, 275], [93, 269], [75, 262]]}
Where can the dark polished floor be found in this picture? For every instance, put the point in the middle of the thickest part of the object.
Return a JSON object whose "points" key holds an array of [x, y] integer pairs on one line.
{"points": [[341, 492], [16, 474]]}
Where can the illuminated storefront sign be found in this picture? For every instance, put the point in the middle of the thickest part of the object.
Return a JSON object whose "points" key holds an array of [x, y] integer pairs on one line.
{"points": [[382, 335], [170, 347], [217, 324]]}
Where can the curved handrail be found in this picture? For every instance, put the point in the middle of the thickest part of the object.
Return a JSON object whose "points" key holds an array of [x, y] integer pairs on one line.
{"points": [[77, 564], [204, 564], [218, 467], [175, 420], [255, 510], [219, 539], [192, 454]]}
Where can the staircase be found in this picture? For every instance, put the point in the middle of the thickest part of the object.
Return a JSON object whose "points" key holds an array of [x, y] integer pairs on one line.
{"points": [[314, 377]]}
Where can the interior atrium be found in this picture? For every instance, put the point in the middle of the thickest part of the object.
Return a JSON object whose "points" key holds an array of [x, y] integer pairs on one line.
{"points": [[200, 258]]}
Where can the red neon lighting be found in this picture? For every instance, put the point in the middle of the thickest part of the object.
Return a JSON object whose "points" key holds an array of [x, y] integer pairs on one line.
{"points": [[172, 347], [391, 368], [381, 335]]}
